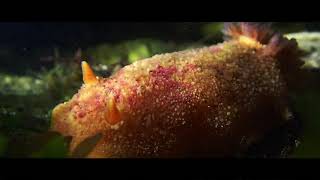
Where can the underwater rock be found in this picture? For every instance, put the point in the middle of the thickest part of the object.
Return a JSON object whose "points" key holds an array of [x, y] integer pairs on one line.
{"points": [[307, 101], [208, 102], [310, 43]]}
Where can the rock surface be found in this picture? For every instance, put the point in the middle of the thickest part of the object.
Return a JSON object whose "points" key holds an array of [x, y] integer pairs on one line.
{"points": [[309, 42]]}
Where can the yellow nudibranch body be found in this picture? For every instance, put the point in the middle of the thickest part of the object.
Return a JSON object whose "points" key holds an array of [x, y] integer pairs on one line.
{"points": [[208, 102]]}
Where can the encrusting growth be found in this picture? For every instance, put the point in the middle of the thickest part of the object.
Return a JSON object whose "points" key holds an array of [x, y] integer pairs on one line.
{"points": [[206, 102]]}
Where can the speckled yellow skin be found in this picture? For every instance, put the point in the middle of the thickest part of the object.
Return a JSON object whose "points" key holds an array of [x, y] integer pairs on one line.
{"points": [[207, 102]]}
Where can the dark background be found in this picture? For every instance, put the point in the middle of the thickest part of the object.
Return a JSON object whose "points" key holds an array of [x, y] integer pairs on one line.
{"points": [[31, 34], [44, 34]]}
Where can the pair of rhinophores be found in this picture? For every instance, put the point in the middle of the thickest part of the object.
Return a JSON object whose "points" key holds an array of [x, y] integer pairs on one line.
{"points": [[209, 102]]}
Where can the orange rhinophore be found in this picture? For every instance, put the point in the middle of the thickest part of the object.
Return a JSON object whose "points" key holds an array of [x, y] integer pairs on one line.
{"points": [[209, 102], [88, 75]]}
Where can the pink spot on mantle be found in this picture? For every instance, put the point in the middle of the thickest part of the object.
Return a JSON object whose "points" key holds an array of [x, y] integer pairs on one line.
{"points": [[188, 67], [165, 72], [81, 114], [215, 48]]}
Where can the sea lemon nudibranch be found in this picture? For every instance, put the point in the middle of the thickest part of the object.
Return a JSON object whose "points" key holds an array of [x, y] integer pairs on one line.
{"points": [[209, 102]]}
